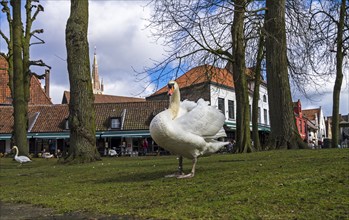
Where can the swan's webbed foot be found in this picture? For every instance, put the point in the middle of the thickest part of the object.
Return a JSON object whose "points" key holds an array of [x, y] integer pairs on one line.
{"points": [[185, 176], [180, 169], [192, 173], [176, 175]]}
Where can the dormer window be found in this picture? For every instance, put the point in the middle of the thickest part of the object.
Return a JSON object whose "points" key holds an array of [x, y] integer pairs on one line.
{"points": [[66, 124], [115, 123]]}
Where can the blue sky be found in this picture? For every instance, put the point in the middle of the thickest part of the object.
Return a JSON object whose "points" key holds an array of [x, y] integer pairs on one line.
{"points": [[117, 30]]}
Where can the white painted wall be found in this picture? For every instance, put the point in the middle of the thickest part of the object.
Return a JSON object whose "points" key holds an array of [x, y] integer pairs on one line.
{"points": [[219, 92], [322, 126]]}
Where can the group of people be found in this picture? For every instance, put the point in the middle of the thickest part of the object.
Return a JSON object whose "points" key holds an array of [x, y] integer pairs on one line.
{"points": [[45, 154], [127, 150]]}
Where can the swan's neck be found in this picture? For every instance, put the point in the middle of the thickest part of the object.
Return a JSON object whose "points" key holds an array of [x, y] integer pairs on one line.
{"points": [[174, 103], [16, 151]]}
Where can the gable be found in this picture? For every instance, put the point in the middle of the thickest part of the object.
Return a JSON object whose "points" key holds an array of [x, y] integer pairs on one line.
{"points": [[311, 114], [37, 94], [200, 75], [101, 98]]}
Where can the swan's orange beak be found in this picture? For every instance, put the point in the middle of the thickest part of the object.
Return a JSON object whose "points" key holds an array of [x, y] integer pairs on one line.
{"points": [[170, 89]]}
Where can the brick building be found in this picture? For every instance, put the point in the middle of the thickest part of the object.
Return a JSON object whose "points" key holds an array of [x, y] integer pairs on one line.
{"points": [[38, 95], [301, 122], [116, 123]]}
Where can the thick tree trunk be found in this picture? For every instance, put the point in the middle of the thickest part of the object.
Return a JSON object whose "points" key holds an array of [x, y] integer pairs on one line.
{"points": [[19, 103], [257, 82], [243, 133], [339, 77], [284, 133], [82, 116]]}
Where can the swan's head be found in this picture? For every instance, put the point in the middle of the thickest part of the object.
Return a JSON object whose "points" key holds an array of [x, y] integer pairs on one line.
{"points": [[14, 147], [172, 86]]}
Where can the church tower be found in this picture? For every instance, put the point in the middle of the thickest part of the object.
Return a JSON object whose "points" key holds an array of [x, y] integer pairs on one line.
{"points": [[96, 85]]}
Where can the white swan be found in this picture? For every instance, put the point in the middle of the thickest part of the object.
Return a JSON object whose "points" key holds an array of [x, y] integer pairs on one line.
{"points": [[47, 155], [20, 159], [188, 129]]}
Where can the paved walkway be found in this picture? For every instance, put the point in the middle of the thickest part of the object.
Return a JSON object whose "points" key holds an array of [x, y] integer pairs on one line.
{"points": [[15, 211]]}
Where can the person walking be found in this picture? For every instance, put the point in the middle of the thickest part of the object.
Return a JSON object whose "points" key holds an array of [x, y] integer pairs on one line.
{"points": [[145, 146]]}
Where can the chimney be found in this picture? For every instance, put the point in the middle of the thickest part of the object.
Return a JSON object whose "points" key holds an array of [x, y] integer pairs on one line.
{"points": [[47, 82]]}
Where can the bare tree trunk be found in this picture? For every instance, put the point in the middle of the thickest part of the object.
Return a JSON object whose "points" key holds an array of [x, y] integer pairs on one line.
{"points": [[243, 133], [284, 133], [257, 82], [82, 115], [19, 103], [339, 77]]}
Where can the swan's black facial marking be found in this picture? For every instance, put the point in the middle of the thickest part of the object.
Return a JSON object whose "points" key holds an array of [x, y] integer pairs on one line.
{"points": [[170, 87]]}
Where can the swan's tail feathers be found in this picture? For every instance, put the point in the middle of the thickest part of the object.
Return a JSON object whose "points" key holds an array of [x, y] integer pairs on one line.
{"points": [[213, 146], [221, 133]]}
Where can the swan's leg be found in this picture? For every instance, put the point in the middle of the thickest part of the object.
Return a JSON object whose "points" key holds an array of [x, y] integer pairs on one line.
{"points": [[180, 168], [192, 173], [180, 165]]}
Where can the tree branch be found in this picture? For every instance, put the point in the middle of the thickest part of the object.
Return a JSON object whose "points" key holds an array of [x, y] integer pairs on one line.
{"points": [[38, 63], [39, 8], [6, 9], [5, 38], [37, 31], [39, 76], [41, 41]]}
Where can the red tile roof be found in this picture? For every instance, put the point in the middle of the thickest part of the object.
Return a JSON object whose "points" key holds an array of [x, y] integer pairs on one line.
{"points": [[201, 74], [101, 98], [6, 119], [310, 113], [37, 94], [52, 118]]}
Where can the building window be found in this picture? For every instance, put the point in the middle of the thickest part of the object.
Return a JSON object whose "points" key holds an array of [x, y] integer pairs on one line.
{"points": [[115, 123], [264, 98], [221, 105], [265, 116], [259, 115], [231, 112]]}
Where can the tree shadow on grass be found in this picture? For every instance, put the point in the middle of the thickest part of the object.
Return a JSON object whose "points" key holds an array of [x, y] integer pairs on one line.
{"points": [[131, 177], [230, 161]]}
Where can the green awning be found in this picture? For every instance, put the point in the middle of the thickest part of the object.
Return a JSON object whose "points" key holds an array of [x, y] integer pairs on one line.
{"points": [[125, 134], [58, 135], [5, 136], [261, 127], [99, 134]]}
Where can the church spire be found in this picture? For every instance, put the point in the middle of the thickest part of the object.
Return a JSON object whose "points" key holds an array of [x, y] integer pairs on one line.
{"points": [[96, 85]]}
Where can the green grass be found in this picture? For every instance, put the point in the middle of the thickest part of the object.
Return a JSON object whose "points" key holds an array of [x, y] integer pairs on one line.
{"points": [[293, 184]]}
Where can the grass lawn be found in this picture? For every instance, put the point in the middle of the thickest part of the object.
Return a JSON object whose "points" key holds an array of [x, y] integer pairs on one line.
{"points": [[293, 184]]}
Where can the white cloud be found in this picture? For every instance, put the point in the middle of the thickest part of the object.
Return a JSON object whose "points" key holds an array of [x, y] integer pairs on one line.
{"points": [[116, 29], [322, 96]]}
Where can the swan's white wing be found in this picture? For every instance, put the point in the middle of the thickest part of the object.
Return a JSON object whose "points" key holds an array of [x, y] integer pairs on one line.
{"points": [[203, 120], [23, 159], [185, 107]]}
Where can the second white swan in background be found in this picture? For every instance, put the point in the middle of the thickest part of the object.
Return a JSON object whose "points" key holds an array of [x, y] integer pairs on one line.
{"points": [[20, 159]]}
